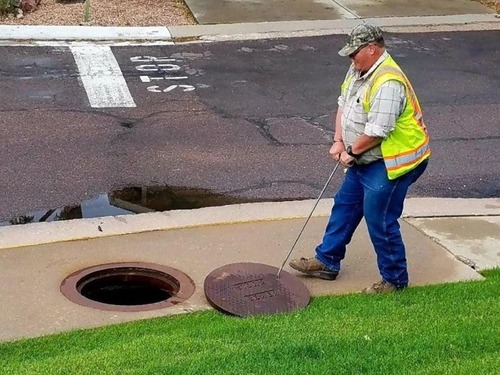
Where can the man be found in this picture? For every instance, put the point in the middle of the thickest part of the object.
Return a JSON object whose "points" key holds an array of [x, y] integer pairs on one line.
{"points": [[381, 138]]}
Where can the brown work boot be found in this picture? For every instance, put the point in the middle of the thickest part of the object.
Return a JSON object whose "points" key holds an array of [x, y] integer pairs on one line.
{"points": [[380, 288], [313, 267]]}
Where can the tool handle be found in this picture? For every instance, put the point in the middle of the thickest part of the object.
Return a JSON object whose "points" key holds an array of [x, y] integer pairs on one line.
{"points": [[305, 224]]}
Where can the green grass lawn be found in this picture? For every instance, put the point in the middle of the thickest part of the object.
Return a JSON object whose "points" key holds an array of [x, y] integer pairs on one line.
{"points": [[442, 329]]}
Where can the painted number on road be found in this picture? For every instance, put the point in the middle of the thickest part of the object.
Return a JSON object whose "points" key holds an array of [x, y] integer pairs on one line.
{"points": [[170, 88], [156, 69]]}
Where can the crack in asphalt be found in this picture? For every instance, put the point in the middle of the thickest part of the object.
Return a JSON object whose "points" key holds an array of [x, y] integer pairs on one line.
{"points": [[263, 129]]}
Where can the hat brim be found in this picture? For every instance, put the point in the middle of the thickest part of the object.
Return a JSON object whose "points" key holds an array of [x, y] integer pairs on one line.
{"points": [[347, 50]]}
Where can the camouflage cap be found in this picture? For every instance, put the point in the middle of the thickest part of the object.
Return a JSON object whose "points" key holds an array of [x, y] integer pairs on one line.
{"points": [[360, 36]]}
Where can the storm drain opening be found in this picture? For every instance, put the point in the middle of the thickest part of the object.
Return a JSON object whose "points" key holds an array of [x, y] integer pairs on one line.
{"points": [[128, 286]]}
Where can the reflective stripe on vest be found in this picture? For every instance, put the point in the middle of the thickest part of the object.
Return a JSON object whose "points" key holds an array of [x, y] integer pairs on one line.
{"points": [[407, 159]]}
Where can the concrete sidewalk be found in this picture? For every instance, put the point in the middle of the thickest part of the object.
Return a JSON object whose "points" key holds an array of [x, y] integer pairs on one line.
{"points": [[198, 241], [270, 19], [237, 11]]}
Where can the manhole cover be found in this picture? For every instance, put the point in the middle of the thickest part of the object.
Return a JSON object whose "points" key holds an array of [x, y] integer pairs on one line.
{"points": [[128, 286], [246, 289]]}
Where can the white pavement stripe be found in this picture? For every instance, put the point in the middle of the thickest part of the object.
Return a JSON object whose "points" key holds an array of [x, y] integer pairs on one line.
{"points": [[102, 77]]}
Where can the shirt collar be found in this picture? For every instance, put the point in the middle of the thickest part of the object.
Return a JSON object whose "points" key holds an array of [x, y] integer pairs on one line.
{"points": [[374, 66]]}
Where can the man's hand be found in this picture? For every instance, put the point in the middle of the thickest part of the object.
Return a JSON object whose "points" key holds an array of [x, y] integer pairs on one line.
{"points": [[346, 160], [336, 149]]}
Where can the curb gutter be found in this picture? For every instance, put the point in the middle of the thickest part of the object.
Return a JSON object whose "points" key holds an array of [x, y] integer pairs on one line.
{"points": [[244, 30], [79, 229]]}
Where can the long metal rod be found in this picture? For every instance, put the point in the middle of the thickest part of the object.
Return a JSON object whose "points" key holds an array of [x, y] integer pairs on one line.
{"points": [[307, 221]]}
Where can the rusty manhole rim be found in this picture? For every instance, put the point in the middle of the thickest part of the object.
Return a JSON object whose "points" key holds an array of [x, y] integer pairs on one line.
{"points": [[186, 286]]}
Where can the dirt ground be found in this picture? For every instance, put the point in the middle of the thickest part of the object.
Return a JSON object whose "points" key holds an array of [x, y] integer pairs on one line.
{"points": [[123, 13], [493, 4], [108, 13]]}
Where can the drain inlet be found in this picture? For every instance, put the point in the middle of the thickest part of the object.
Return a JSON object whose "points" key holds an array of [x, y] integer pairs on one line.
{"points": [[128, 287]]}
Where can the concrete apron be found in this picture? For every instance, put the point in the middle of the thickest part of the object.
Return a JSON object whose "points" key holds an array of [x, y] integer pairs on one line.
{"points": [[475, 240], [32, 304], [235, 11]]}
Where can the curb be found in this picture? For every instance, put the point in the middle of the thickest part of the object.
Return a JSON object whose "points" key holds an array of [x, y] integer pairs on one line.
{"points": [[80, 229], [242, 30], [96, 33], [330, 27]]}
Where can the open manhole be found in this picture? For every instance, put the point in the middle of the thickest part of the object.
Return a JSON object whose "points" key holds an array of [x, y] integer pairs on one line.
{"points": [[246, 289], [128, 286]]}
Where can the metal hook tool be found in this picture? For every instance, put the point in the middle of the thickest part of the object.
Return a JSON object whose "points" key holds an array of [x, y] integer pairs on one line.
{"points": [[305, 224]]}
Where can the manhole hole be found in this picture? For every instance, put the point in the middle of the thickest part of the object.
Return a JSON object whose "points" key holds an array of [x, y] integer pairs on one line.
{"points": [[128, 286], [246, 289]]}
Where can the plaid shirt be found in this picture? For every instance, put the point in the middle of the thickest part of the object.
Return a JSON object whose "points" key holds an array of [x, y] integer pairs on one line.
{"points": [[385, 107]]}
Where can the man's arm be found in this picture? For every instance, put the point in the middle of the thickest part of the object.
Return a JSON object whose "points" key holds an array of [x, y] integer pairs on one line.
{"points": [[386, 106], [364, 143], [338, 144]]}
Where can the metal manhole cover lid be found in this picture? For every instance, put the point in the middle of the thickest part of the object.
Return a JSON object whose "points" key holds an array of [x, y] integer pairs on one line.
{"points": [[245, 289]]}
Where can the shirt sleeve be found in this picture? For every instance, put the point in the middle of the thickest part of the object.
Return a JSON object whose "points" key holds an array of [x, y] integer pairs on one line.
{"points": [[386, 106], [341, 99]]}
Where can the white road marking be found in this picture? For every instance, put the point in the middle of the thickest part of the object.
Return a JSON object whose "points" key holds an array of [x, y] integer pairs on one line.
{"points": [[102, 77], [151, 79]]}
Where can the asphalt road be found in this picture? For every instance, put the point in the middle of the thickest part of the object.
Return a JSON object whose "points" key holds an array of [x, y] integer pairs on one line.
{"points": [[249, 119]]}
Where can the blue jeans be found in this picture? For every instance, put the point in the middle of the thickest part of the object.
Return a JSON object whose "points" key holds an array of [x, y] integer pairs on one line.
{"points": [[366, 191]]}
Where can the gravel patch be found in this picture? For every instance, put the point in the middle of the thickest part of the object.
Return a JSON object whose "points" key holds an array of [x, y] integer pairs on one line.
{"points": [[108, 13], [492, 4], [124, 13]]}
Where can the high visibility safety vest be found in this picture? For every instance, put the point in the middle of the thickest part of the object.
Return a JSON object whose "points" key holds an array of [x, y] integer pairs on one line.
{"points": [[407, 145]]}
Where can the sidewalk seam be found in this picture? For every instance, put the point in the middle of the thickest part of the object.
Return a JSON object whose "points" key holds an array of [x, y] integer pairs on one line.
{"points": [[436, 240]]}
